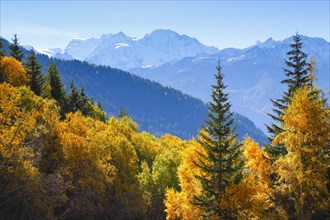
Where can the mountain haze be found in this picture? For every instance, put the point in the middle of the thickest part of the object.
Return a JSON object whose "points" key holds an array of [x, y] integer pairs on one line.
{"points": [[253, 74]]}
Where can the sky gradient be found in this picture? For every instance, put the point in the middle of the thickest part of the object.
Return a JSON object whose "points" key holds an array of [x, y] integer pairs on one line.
{"points": [[52, 24]]}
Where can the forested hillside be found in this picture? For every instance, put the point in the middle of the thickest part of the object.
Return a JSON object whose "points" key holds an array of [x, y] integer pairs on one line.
{"points": [[157, 109], [61, 158]]}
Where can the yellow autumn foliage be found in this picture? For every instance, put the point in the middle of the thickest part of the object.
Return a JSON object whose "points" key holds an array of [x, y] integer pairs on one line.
{"points": [[24, 121], [302, 173], [252, 198], [179, 205], [14, 72]]}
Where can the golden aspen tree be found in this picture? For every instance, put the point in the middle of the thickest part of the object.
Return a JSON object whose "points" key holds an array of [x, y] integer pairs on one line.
{"points": [[126, 198], [179, 205], [14, 72], [87, 161], [252, 197], [147, 147], [24, 122], [302, 173]]}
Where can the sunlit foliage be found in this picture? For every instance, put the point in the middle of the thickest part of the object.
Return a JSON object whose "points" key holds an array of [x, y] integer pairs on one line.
{"points": [[301, 187]]}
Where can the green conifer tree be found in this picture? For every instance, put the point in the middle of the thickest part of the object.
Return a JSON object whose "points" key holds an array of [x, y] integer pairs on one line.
{"points": [[103, 116], [74, 99], [15, 49], [57, 88], [34, 71], [122, 112], [221, 167], [297, 75], [83, 102]]}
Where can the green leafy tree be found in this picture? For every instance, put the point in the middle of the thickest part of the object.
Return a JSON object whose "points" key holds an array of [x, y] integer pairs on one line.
{"points": [[220, 167], [34, 71], [162, 175], [297, 75], [15, 49]]}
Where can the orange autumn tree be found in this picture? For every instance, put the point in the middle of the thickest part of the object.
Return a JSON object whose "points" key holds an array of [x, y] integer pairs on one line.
{"points": [[301, 188]]}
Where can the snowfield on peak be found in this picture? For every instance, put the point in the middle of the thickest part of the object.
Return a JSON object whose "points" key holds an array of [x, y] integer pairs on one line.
{"points": [[119, 45], [124, 52]]}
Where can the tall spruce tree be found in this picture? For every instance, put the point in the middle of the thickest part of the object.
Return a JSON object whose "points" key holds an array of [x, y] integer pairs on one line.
{"points": [[221, 166], [34, 71], [15, 49], [83, 101], [57, 88], [74, 99], [297, 75]]}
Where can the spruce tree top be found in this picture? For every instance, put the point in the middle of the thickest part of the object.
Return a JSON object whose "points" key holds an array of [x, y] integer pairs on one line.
{"points": [[57, 88], [34, 70], [15, 49], [219, 116], [297, 71], [297, 75]]}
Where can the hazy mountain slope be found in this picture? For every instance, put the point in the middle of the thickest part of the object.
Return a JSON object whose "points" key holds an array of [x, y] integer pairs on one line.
{"points": [[253, 74], [156, 108]]}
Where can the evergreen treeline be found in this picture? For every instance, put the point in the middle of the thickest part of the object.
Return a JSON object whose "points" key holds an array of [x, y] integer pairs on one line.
{"points": [[60, 158]]}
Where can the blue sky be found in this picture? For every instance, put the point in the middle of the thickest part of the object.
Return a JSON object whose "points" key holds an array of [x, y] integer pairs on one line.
{"points": [[51, 24]]}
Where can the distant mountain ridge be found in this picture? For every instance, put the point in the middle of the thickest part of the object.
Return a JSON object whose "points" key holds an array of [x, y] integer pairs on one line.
{"points": [[124, 52]]}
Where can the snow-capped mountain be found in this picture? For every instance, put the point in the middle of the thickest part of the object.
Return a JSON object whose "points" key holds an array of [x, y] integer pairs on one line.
{"points": [[124, 52], [253, 74], [51, 52]]}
